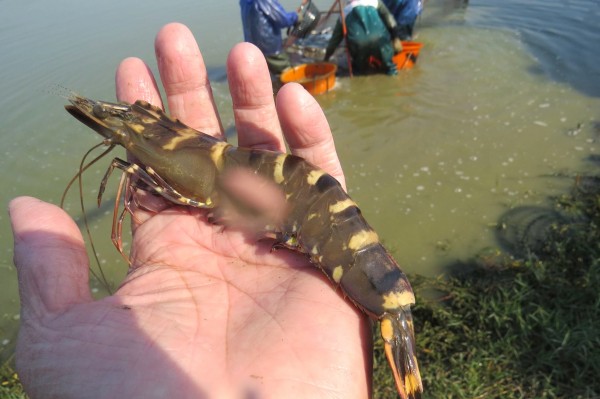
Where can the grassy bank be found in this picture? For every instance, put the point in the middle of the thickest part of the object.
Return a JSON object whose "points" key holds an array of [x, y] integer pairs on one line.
{"points": [[10, 386], [524, 323], [520, 326]]}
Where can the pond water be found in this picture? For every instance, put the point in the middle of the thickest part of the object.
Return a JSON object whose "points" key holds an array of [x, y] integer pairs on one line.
{"points": [[501, 110]]}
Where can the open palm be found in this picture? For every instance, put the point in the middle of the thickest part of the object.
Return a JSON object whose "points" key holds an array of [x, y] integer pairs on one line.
{"points": [[205, 312]]}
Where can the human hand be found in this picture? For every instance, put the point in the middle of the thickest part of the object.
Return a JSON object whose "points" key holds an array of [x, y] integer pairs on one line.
{"points": [[397, 44], [203, 312]]}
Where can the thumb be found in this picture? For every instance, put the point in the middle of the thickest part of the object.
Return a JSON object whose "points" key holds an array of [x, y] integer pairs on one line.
{"points": [[50, 258]]}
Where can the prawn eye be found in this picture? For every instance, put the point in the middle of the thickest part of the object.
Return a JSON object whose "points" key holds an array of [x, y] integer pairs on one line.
{"points": [[100, 111]]}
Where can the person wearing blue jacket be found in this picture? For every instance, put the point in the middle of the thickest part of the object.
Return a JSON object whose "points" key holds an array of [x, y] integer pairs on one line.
{"points": [[262, 21], [405, 12]]}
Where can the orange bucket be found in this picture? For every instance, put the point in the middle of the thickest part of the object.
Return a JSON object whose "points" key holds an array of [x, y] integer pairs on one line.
{"points": [[407, 58], [316, 78]]}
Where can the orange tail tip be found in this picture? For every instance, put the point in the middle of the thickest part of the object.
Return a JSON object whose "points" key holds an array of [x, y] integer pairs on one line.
{"points": [[399, 343]]}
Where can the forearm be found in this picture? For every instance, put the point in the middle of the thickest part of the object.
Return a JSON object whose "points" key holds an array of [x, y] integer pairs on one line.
{"points": [[278, 15], [388, 18], [336, 39]]}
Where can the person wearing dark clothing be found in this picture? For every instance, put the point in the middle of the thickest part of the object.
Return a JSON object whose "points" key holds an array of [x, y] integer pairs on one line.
{"points": [[405, 12], [262, 21], [370, 29]]}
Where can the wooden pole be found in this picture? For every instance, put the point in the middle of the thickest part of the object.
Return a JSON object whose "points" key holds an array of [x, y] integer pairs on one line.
{"points": [[331, 9]]}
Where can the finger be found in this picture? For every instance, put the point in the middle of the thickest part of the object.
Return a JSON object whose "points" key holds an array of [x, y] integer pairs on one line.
{"points": [[252, 93], [134, 81], [185, 79], [306, 129], [50, 258]]}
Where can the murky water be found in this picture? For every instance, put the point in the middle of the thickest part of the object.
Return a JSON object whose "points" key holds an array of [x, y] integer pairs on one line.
{"points": [[505, 97]]}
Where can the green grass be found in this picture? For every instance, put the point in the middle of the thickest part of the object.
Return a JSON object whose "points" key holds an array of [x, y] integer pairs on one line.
{"points": [[10, 386], [501, 326]]}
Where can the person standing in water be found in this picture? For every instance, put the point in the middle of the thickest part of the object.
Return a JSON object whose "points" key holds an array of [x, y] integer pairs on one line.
{"points": [[370, 30], [263, 21], [405, 12]]}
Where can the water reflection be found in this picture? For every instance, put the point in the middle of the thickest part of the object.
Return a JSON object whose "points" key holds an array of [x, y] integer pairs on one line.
{"points": [[560, 35], [525, 230]]}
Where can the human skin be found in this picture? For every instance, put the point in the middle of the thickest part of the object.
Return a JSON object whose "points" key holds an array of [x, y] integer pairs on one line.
{"points": [[204, 312]]}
